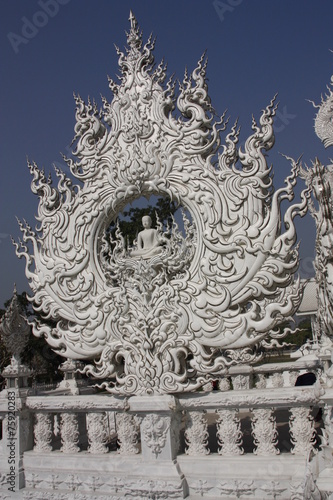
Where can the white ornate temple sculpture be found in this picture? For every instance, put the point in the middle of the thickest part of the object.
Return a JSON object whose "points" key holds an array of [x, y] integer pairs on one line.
{"points": [[209, 296], [320, 179], [187, 302]]}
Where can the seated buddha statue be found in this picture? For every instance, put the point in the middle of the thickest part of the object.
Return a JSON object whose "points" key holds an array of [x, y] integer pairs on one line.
{"points": [[148, 243]]}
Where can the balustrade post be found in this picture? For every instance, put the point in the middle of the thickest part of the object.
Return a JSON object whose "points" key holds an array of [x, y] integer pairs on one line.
{"points": [[229, 433], [302, 431], [96, 429], [43, 432], [264, 432], [159, 426], [69, 430], [261, 382], [293, 374], [196, 434], [128, 432], [241, 377], [277, 380], [224, 384], [328, 426]]}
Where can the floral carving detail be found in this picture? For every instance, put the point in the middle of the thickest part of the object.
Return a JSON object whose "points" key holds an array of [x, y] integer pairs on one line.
{"points": [[224, 384], [273, 488], [261, 382], [264, 432], [127, 430], [43, 432], [230, 436], [73, 482], [302, 431], [33, 480], [96, 428], [240, 382], [69, 429], [154, 429], [156, 489], [277, 379], [196, 434], [239, 487]]}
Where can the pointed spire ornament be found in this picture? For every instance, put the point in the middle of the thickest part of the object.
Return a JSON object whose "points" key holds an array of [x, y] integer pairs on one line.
{"points": [[14, 329], [15, 332]]}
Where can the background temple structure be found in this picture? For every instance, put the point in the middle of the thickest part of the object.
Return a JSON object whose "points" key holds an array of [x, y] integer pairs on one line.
{"points": [[147, 330]]}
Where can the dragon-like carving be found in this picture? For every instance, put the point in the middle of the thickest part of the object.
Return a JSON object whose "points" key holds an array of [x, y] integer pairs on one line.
{"points": [[168, 323], [324, 118]]}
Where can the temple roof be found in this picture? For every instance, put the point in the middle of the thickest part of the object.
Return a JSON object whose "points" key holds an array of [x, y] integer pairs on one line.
{"points": [[309, 302]]}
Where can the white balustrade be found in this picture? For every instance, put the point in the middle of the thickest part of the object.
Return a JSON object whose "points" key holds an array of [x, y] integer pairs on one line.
{"points": [[264, 432], [96, 429], [43, 432], [196, 434], [69, 433], [128, 433], [229, 433], [302, 430]]}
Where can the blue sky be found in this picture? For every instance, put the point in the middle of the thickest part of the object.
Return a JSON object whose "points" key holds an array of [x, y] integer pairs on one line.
{"points": [[255, 48]]}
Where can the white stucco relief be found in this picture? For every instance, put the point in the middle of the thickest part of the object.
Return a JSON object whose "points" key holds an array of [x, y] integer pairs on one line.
{"points": [[208, 297]]}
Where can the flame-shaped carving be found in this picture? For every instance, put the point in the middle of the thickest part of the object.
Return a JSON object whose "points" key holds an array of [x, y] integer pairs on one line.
{"points": [[158, 328]]}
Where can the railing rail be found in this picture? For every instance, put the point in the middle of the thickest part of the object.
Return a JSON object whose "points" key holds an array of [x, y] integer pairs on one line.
{"points": [[92, 422]]}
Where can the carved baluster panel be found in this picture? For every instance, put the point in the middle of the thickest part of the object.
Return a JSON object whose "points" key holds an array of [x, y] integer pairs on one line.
{"points": [[293, 374], [96, 429], [277, 379], [196, 434], [261, 382], [69, 430], [229, 433], [302, 431], [264, 432], [128, 431], [241, 382], [154, 432], [43, 432], [327, 431], [224, 384]]}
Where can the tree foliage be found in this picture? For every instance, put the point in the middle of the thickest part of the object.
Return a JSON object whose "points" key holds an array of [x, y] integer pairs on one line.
{"points": [[37, 355], [130, 220]]}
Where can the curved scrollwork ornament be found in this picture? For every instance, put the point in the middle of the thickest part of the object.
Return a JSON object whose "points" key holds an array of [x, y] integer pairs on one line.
{"points": [[319, 178], [169, 322]]}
